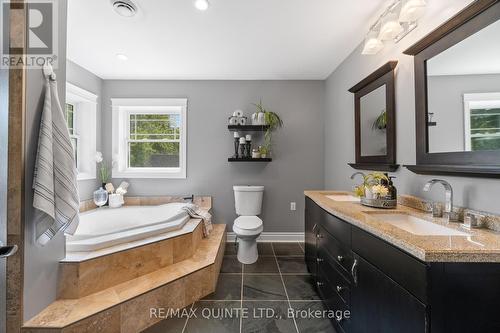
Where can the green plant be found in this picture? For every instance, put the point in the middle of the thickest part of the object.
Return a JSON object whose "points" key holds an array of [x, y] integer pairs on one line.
{"points": [[381, 122], [274, 122]]}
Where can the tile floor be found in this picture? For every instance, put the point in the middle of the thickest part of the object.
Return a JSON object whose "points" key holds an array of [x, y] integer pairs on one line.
{"points": [[256, 298]]}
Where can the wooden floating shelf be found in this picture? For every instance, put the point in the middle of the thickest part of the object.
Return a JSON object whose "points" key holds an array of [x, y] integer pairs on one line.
{"points": [[374, 166], [248, 128], [232, 159]]}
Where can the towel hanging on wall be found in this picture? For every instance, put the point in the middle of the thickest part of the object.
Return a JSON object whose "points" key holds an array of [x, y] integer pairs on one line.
{"points": [[54, 184]]}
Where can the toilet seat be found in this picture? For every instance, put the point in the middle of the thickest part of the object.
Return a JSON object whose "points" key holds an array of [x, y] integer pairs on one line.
{"points": [[247, 225]]}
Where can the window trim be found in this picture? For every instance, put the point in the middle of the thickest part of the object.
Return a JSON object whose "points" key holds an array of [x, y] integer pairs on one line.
{"points": [[476, 100], [85, 117], [121, 110]]}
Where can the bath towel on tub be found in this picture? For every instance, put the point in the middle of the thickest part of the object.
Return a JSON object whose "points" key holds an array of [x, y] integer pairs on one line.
{"points": [[54, 184], [198, 213]]}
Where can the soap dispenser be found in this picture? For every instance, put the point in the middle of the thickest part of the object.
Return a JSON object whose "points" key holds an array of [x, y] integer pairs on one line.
{"points": [[393, 192]]}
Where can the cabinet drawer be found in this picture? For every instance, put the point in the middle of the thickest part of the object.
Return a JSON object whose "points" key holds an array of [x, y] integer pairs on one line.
{"points": [[335, 279], [339, 253], [406, 270], [337, 228], [334, 303]]}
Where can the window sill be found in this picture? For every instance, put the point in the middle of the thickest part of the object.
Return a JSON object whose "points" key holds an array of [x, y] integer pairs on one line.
{"points": [[152, 174]]}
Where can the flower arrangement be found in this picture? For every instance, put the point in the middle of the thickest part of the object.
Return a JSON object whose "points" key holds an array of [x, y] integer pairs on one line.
{"points": [[103, 168], [372, 187]]}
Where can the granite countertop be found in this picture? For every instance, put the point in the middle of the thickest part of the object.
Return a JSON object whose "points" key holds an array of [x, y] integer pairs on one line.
{"points": [[482, 245]]}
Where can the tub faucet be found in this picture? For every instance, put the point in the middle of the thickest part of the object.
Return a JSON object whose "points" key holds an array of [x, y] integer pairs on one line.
{"points": [[448, 213]]}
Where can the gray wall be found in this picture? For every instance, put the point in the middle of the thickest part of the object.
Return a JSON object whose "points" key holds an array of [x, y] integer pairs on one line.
{"points": [[298, 160], [339, 120], [446, 101], [40, 263], [84, 79]]}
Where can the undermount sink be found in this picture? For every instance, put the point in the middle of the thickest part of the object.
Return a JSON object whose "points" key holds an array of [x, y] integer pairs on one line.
{"points": [[343, 197], [417, 226]]}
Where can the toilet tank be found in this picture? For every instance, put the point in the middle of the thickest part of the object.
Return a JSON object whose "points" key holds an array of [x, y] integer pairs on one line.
{"points": [[248, 200]]}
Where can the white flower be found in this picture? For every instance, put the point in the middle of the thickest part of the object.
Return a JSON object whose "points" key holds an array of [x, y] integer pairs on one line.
{"points": [[380, 190], [98, 157]]}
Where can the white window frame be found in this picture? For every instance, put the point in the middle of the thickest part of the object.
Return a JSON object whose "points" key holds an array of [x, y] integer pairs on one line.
{"points": [[477, 101], [122, 108], [85, 115]]}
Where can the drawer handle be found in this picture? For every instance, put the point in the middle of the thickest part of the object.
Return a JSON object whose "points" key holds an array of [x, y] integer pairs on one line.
{"points": [[354, 271], [314, 227], [319, 260], [319, 235], [340, 289], [340, 258], [320, 284]]}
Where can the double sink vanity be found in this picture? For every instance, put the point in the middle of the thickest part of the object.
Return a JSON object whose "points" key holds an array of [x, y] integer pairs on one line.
{"points": [[400, 270]]}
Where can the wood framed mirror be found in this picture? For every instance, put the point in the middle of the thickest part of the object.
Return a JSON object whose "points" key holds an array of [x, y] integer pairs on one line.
{"points": [[374, 115], [457, 94]]}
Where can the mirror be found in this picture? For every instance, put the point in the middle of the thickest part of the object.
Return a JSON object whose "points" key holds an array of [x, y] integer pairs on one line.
{"points": [[373, 123], [374, 120], [463, 91], [457, 94]]}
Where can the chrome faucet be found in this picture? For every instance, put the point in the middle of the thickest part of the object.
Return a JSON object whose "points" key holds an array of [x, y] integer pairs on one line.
{"points": [[358, 173], [448, 213]]}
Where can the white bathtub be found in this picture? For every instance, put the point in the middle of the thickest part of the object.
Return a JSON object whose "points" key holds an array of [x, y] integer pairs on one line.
{"points": [[105, 227]]}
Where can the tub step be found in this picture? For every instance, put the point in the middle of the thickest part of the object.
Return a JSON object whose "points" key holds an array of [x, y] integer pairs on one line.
{"points": [[79, 278], [125, 307]]}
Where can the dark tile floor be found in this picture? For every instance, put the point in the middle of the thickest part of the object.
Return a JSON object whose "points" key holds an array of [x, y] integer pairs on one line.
{"points": [[256, 298]]}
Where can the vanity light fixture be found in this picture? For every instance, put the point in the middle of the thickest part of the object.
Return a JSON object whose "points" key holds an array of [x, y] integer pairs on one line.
{"points": [[202, 4], [396, 21], [122, 57]]}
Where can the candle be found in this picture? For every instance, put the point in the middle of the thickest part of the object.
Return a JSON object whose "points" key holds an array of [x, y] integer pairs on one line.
{"points": [[236, 134], [249, 137], [242, 140]]}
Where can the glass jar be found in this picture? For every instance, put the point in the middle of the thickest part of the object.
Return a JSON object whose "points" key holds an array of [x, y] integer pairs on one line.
{"points": [[100, 197]]}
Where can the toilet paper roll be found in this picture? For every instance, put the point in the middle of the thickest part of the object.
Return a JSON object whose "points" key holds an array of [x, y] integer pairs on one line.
{"points": [[242, 121], [238, 113]]}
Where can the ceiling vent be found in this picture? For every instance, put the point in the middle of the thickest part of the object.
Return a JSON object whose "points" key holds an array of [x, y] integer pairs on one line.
{"points": [[125, 8]]}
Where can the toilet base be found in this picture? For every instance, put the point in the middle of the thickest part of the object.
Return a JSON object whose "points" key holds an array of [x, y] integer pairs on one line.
{"points": [[247, 250]]}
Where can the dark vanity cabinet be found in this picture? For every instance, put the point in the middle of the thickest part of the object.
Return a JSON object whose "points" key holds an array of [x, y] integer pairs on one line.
{"points": [[387, 290]]}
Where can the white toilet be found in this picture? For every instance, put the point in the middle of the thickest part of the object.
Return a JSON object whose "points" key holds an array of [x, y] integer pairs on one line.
{"points": [[248, 227]]}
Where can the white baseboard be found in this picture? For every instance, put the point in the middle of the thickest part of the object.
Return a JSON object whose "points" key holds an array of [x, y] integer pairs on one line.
{"points": [[267, 237]]}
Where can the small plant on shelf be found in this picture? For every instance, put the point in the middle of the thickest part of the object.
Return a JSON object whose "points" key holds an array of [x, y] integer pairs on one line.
{"points": [[273, 120]]}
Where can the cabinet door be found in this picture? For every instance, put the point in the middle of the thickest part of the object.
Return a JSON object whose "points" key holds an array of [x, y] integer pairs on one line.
{"points": [[312, 220], [378, 304]]}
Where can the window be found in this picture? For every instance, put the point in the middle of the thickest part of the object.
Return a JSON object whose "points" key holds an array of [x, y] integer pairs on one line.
{"points": [[482, 121], [149, 138], [70, 121], [80, 112]]}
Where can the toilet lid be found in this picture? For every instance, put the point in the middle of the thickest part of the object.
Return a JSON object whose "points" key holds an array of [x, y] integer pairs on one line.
{"points": [[248, 222]]}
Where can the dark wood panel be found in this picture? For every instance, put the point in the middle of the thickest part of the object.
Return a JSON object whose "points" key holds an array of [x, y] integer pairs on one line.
{"points": [[379, 304], [335, 275], [248, 128], [341, 254], [374, 166], [338, 228], [386, 68], [453, 23], [398, 265], [313, 216], [456, 170]]}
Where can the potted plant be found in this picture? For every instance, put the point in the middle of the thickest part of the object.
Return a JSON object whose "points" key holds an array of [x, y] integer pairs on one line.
{"points": [[371, 188], [271, 119], [381, 122]]}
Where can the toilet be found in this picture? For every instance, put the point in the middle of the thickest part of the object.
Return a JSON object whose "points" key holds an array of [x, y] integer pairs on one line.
{"points": [[248, 226]]}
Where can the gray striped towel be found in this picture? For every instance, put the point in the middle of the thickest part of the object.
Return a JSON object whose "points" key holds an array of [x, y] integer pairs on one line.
{"points": [[198, 213], [54, 184]]}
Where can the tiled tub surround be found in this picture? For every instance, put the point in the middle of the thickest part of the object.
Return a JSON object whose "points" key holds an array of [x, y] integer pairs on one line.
{"points": [[482, 245], [126, 284], [278, 281]]}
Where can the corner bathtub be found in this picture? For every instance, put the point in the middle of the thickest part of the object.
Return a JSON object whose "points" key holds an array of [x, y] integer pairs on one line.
{"points": [[105, 227]]}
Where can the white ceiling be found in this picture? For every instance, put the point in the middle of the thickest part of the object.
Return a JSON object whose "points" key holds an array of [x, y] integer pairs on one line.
{"points": [[477, 54], [233, 39]]}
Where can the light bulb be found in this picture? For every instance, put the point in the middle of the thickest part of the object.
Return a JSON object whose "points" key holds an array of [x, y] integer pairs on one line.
{"points": [[372, 44], [390, 27], [121, 57], [201, 4], [412, 10]]}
